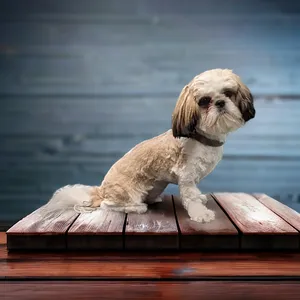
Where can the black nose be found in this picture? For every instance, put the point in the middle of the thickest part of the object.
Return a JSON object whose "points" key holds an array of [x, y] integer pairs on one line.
{"points": [[220, 103]]}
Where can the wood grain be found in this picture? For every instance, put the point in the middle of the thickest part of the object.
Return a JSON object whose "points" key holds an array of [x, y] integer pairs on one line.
{"points": [[149, 256], [289, 215], [96, 268], [97, 230], [136, 57], [260, 227], [215, 235], [145, 265], [204, 290], [156, 229], [2, 238], [42, 229]]}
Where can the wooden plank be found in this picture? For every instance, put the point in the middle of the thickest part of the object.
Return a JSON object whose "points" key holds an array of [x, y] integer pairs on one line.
{"points": [[97, 230], [27, 182], [139, 256], [190, 290], [146, 47], [42, 229], [155, 230], [38, 175], [36, 179], [202, 266], [215, 235], [60, 71], [260, 227], [289, 215], [2, 238], [156, 265], [249, 144], [115, 145], [90, 9]]}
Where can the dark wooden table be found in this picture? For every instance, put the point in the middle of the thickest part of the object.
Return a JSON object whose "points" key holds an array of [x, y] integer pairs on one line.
{"points": [[158, 255], [148, 275]]}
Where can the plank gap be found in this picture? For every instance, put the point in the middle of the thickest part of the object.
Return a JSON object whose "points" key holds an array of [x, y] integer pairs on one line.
{"points": [[230, 219], [66, 233], [280, 209], [260, 227], [154, 230], [124, 231], [215, 235], [177, 223]]}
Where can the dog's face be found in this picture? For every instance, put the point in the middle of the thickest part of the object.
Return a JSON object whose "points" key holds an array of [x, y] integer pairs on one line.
{"points": [[216, 102]]}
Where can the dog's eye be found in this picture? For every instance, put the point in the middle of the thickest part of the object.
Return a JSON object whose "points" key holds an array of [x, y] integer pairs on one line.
{"points": [[204, 101], [228, 94]]}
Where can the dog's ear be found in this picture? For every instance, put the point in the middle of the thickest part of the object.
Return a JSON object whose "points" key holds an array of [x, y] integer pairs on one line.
{"points": [[245, 99], [186, 114]]}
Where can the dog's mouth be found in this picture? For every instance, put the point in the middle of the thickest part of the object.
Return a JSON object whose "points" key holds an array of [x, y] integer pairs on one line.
{"points": [[223, 112]]}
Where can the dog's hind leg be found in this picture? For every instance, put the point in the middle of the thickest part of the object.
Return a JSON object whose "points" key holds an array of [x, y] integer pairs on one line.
{"points": [[154, 195]]}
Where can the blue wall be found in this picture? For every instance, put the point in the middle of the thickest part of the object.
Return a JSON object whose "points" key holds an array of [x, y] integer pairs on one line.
{"points": [[81, 82]]}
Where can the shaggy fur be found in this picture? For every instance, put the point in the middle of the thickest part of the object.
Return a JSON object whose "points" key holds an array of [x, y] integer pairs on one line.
{"points": [[214, 104]]}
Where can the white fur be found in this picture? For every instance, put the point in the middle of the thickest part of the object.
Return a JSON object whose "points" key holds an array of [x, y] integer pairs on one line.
{"points": [[70, 196], [201, 161]]}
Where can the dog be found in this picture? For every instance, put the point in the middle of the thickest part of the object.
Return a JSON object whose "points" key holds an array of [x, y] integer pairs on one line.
{"points": [[215, 103]]}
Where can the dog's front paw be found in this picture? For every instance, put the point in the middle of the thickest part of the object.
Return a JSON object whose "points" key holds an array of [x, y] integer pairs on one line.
{"points": [[207, 216], [199, 213]]}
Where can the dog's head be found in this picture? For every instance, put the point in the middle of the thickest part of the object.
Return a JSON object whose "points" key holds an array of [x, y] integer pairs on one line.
{"points": [[216, 102]]}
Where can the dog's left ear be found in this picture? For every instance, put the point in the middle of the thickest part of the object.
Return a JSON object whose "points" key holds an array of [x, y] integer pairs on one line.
{"points": [[246, 105], [186, 114]]}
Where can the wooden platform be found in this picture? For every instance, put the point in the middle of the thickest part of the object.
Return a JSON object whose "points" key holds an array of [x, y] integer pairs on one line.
{"points": [[243, 222], [149, 275]]}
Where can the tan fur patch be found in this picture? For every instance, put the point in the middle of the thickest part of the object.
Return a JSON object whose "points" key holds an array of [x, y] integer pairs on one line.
{"points": [[137, 171]]}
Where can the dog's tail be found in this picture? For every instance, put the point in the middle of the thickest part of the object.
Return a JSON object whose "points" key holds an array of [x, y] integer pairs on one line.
{"points": [[78, 197]]}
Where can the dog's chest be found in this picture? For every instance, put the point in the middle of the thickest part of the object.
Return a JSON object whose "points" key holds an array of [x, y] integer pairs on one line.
{"points": [[201, 160]]}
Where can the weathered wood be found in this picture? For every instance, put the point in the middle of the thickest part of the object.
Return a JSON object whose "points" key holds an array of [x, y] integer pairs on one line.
{"points": [[285, 212], [225, 290], [148, 256], [42, 229], [260, 227], [129, 113], [146, 265], [200, 266], [97, 230], [2, 238], [138, 57], [33, 173], [145, 9], [215, 235], [156, 229], [160, 228]]}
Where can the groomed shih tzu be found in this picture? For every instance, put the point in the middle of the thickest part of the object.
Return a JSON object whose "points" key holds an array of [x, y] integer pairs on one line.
{"points": [[212, 105]]}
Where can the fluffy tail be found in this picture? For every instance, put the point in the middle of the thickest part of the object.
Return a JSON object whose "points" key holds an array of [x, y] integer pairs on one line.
{"points": [[76, 196]]}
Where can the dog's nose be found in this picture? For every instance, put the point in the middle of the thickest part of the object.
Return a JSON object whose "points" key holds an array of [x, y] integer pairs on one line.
{"points": [[220, 103]]}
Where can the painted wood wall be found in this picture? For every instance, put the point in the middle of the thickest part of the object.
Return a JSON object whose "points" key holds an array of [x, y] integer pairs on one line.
{"points": [[81, 82]]}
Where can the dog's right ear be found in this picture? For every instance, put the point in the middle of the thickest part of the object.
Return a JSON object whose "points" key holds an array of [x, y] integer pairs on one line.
{"points": [[186, 114]]}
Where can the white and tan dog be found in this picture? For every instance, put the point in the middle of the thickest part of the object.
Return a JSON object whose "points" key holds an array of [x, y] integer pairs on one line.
{"points": [[212, 105]]}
